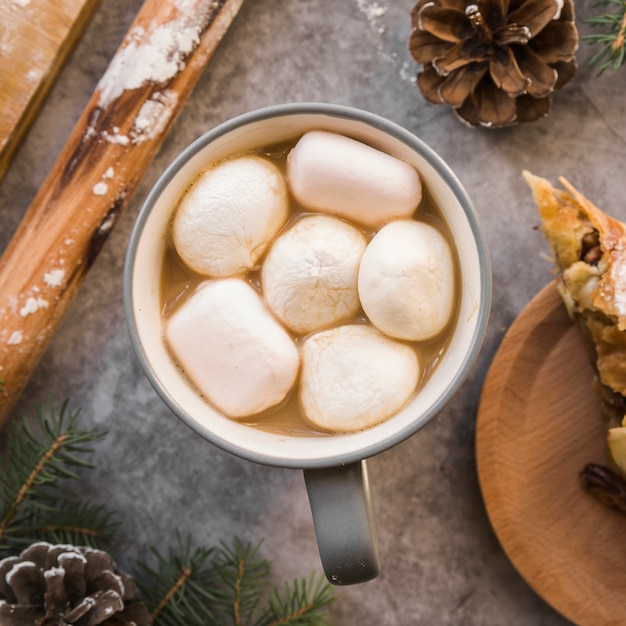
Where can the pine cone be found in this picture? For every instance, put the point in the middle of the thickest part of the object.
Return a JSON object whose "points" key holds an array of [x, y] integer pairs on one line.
{"points": [[496, 62], [59, 585]]}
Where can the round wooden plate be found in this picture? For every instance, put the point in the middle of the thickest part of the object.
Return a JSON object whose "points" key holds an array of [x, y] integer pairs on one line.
{"points": [[538, 426]]}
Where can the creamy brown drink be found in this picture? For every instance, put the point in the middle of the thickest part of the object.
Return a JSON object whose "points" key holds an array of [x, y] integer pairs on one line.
{"points": [[324, 331], [309, 360]]}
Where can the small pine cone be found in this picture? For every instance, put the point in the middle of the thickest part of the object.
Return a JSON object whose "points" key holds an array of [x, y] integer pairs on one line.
{"points": [[61, 585], [496, 62]]}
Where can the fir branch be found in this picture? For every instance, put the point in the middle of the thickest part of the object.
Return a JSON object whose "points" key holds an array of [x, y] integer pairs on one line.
{"points": [[301, 605], [33, 482], [612, 40], [241, 580], [72, 522], [188, 589], [177, 590]]}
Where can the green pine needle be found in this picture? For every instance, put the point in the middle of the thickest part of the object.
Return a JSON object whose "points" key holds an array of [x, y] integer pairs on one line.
{"points": [[72, 522], [191, 589], [241, 580], [301, 604], [612, 40], [177, 589], [36, 502]]}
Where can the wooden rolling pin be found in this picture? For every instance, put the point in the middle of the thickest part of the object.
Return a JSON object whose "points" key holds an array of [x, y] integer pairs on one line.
{"points": [[119, 133]]}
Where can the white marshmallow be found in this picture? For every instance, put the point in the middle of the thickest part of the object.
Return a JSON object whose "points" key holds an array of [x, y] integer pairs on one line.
{"points": [[309, 276], [232, 349], [339, 175], [353, 377], [406, 281], [229, 216]]}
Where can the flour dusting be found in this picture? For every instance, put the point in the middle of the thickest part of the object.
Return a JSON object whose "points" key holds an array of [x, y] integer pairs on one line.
{"points": [[155, 56], [15, 338], [32, 305], [154, 116], [373, 12], [115, 137], [54, 278], [34, 75], [100, 189]]}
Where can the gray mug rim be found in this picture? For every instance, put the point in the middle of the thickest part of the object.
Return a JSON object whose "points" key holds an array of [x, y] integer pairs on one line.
{"points": [[337, 111]]}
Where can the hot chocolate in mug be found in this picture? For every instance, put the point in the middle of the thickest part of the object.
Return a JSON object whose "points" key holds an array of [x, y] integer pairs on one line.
{"points": [[334, 463]]}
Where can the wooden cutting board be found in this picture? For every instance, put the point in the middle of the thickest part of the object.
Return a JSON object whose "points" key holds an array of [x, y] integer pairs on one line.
{"points": [[36, 37]]}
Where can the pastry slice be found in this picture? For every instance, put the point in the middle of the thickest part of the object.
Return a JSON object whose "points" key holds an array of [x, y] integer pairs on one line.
{"points": [[589, 248]]}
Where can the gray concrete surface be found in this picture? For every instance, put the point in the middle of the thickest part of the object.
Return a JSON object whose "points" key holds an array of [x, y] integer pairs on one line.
{"points": [[442, 564]]}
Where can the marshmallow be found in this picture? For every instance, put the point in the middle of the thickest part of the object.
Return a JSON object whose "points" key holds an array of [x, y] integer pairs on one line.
{"points": [[228, 218], [232, 349], [335, 174], [309, 276], [407, 282], [353, 377]]}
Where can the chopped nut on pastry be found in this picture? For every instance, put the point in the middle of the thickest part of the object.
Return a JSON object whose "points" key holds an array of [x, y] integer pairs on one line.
{"points": [[590, 251]]}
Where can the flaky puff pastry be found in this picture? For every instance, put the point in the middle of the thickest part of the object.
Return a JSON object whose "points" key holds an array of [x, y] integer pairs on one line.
{"points": [[590, 250]]}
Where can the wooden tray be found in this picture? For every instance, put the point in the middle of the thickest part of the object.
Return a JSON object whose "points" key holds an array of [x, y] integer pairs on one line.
{"points": [[538, 425]]}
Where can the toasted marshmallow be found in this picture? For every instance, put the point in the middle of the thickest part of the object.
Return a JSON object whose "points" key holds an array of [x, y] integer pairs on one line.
{"points": [[232, 349], [309, 276], [406, 281], [353, 377], [227, 219], [335, 174]]}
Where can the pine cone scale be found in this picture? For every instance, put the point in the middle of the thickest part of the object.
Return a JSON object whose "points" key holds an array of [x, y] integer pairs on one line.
{"points": [[506, 74], [488, 106], [535, 15], [10, 615], [566, 71], [459, 86], [72, 566], [542, 77], [530, 109], [6, 565], [457, 57], [27, 582], [56, 597], [512, 34], [446, 24], [557, 42], [426, 47], [95, 609]]}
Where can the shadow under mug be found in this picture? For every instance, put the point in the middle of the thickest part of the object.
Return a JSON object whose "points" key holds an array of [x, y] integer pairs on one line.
{"points": [[334, 467]]}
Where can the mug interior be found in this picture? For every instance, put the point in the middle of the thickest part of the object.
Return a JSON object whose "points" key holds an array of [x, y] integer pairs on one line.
{"points": [[142, 276]]}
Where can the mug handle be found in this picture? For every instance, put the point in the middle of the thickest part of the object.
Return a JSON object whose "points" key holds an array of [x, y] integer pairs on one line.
{"points": [[344, 522]]}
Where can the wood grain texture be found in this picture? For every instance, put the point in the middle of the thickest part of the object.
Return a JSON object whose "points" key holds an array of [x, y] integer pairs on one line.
{"points": [[36, 37], [122, 127], [538, 425]]}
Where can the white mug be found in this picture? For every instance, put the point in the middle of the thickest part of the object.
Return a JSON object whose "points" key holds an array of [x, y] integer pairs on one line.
{"points": [[334, 466]]}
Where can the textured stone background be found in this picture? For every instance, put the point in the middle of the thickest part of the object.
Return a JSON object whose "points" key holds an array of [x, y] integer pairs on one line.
{"points": [[442, 563]]}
